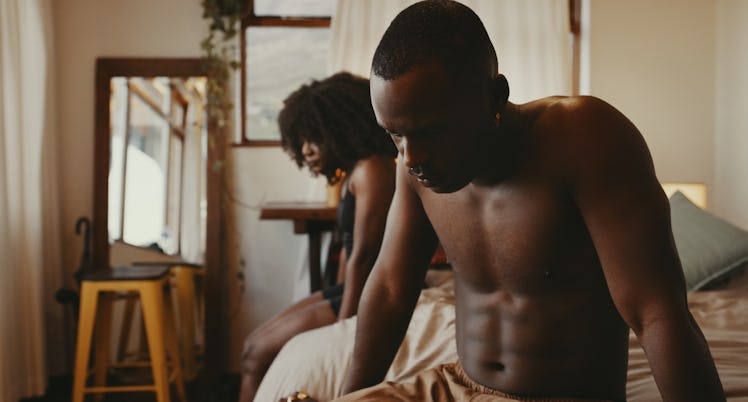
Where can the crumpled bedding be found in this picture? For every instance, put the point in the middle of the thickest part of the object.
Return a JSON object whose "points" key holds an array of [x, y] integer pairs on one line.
{"points": [[317, 361], [723, 318]]}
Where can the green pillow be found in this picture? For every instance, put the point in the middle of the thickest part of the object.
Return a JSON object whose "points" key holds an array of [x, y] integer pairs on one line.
{"points": [[711, 249]]}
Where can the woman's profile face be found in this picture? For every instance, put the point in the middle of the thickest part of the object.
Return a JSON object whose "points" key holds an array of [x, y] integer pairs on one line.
{"points": [[312, 156]]}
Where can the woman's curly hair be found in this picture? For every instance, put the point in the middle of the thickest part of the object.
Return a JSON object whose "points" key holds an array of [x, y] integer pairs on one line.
{"points": [[335, 114]]}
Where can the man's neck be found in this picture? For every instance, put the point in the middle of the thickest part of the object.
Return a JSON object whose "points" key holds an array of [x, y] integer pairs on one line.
{"points": [[504, 148]]}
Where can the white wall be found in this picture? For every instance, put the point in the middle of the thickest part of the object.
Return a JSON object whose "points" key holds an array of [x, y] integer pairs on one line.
{"points": [[654, 61], [273, 260], [677, 71], [731, 184]]}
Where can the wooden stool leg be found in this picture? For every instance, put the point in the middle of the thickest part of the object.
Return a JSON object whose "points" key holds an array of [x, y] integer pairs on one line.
{"points": [[199, 305], [152, 305], [124, 337], [185, 284], [143, 341], [87, 315], [173, 346], [101, 343]]}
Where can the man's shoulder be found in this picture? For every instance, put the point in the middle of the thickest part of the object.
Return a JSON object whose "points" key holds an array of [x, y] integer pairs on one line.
{"points": [[584, 131], [571, 107], [583, 118]]}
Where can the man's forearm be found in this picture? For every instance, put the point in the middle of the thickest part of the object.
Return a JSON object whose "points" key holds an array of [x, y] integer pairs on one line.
{"points": [[383, 318], [681, 362]]}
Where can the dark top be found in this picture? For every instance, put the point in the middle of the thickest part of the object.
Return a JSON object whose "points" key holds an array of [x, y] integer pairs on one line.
{"points": [[346, 215]]}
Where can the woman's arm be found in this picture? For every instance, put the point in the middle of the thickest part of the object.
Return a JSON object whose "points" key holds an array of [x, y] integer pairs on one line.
{"points": [[372, 182], [392, 290]]}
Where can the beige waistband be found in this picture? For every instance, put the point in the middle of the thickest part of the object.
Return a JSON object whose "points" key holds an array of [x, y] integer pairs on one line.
{"points": [[470, 384]]}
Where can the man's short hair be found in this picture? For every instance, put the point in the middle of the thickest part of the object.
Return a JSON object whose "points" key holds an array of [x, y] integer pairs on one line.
{"points": [[444, 31]]}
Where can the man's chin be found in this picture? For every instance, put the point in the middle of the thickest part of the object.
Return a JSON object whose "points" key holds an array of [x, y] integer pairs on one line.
{"points": [[445, 188]]}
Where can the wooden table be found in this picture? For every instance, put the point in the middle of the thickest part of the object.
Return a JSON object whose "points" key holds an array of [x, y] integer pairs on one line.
{"points": [[311, 218]]}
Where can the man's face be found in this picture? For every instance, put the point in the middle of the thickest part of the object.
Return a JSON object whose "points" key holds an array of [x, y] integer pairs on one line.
{"points": [[437, 125]]}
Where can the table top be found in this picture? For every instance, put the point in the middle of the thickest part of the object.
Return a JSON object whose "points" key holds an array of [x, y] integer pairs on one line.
{"points": [[309, 211]]}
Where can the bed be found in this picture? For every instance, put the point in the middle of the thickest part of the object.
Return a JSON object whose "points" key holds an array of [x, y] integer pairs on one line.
{"points": [[714, 255]]}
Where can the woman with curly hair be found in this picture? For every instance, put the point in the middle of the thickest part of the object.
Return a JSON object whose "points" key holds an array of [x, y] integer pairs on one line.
{"points": [[329, 126]]}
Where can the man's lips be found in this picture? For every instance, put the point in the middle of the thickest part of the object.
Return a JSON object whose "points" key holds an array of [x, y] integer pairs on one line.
{"points": [[426, 180]]}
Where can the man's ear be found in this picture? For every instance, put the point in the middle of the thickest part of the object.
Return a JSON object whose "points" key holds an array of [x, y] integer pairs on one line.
{"points": [[500, 91]]}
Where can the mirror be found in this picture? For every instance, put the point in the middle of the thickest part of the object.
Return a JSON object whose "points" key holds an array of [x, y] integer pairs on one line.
{"points": [[150, 161], [156, 169], [150, 141]]}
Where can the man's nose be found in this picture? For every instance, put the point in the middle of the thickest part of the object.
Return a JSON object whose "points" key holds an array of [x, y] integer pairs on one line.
{"points": [[413, 153]]}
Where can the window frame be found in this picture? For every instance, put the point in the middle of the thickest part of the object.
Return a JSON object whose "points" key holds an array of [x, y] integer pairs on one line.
{"points": [[250, 19]]}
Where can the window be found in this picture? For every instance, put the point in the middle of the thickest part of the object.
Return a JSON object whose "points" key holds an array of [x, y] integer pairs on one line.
{"points": [[284, 44]]}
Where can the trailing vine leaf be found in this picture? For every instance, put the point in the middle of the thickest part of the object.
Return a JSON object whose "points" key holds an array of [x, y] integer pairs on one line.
{"points": [[219, 57]]}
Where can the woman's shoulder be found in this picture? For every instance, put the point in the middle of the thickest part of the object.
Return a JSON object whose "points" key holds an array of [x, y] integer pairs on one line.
{"points": [[374, 164], [371, 170]]}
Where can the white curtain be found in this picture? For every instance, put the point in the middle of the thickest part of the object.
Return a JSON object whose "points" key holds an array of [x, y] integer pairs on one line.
{"points": [[192, 236], [531, 37], [30, 268]]}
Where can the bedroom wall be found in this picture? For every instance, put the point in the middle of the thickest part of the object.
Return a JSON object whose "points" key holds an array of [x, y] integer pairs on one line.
{"points": [[655, 61], [272, 259], [677, 72], [731, 173]]}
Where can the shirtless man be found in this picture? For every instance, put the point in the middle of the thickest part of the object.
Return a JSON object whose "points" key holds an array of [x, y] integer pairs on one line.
{"points": [[552, 216]]}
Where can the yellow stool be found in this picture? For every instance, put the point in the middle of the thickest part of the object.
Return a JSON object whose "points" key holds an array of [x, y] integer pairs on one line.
{"points": [[100, 287], [185, 279]]}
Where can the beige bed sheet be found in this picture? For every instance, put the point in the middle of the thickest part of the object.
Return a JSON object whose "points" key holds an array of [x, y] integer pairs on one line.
{"points": [[318, 360], [723, 318]]}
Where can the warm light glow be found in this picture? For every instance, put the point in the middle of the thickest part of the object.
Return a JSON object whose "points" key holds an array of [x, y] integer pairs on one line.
{"points": [[696, 192]]}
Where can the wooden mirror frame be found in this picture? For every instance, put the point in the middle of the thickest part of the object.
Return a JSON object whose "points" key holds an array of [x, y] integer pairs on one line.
{"points": [[216, 338]]}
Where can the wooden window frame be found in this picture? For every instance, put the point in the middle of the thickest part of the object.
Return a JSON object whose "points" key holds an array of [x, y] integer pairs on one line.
{"points": [[250, 19]]}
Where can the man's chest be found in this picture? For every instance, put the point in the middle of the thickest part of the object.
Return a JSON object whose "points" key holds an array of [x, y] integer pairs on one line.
{"points": [[516, 236]]}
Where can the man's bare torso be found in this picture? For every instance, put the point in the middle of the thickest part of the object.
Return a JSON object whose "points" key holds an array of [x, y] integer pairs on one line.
{"points": [[534, 314]]}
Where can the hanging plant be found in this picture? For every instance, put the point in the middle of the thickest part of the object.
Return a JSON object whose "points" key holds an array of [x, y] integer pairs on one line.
{"points": [[220, 56]]}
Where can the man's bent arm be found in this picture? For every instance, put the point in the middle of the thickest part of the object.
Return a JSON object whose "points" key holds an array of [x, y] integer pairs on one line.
{"points": [[392, 290], [628, 217], [383, 319], [680, 360]]}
